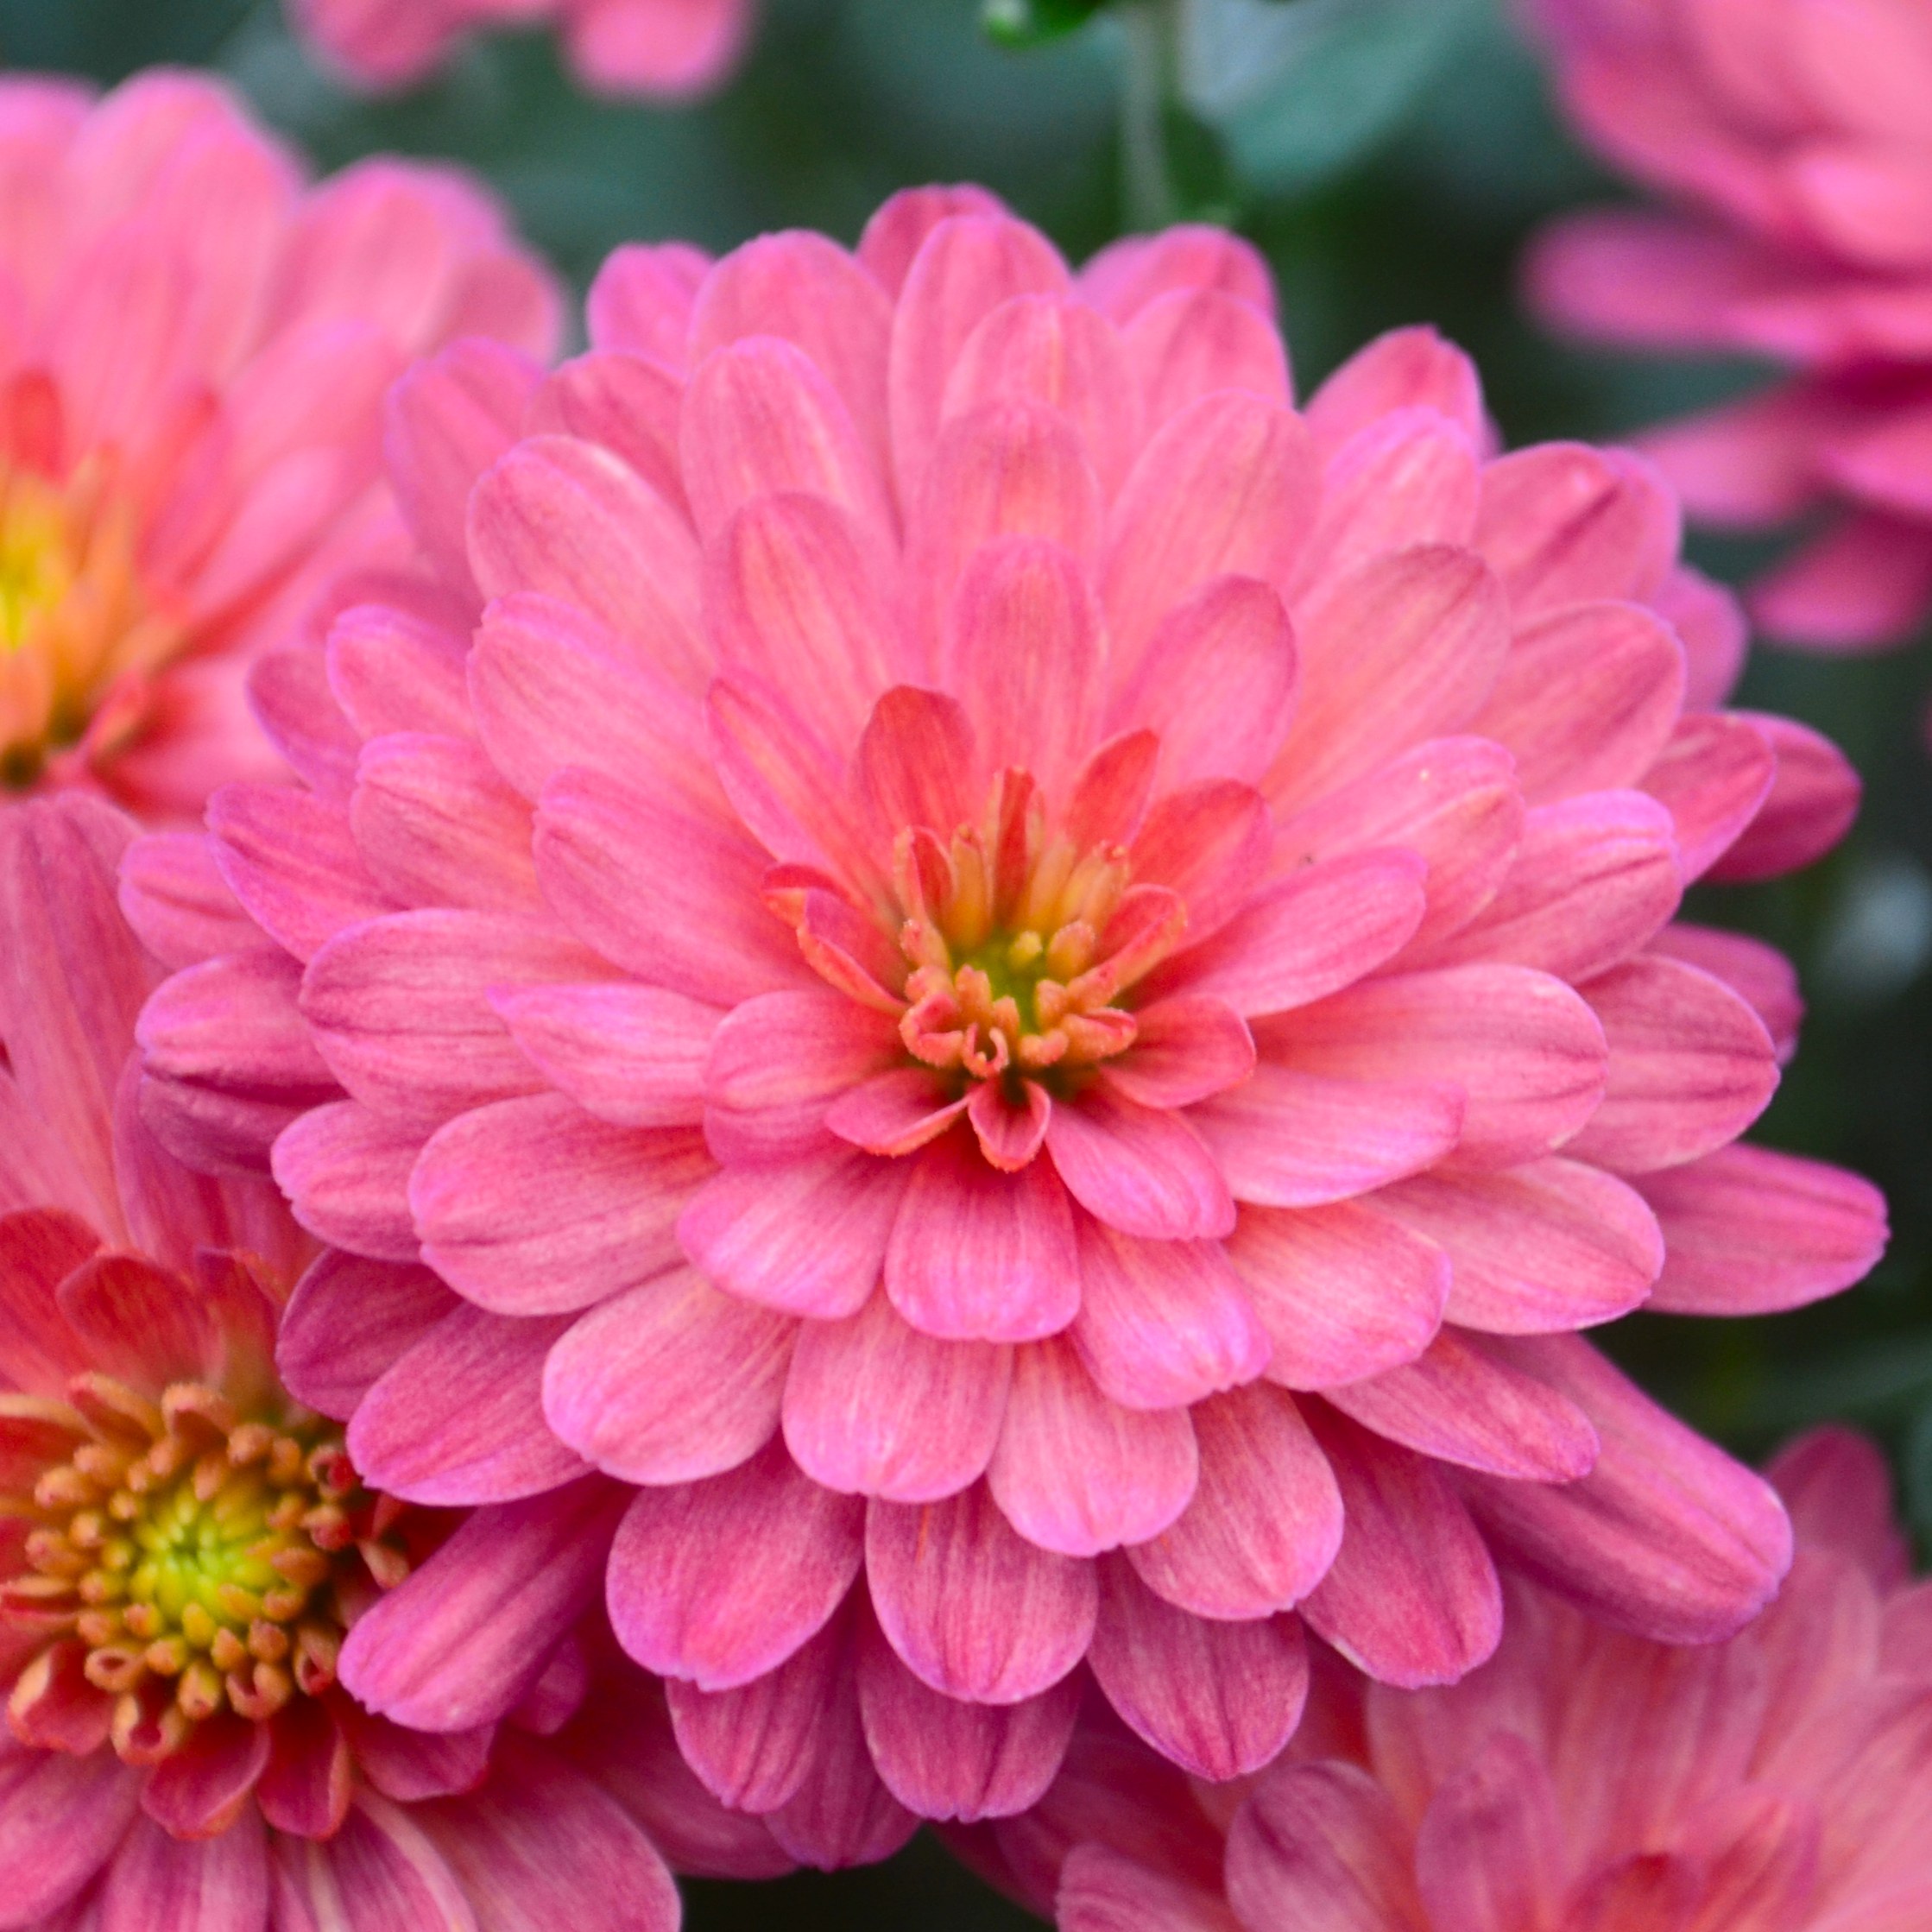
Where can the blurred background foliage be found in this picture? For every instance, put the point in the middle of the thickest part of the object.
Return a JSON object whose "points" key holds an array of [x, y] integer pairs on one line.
{"points": [[1390, 156]]}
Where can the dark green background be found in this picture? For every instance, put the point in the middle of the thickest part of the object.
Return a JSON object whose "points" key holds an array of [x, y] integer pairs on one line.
{"points": [[1419, 218]]}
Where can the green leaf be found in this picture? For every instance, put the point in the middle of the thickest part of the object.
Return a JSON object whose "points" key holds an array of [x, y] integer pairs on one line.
{"points": [[1023, 24], [1302, 92]]}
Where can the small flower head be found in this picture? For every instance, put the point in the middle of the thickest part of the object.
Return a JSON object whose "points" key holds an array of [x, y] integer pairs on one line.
{"points": [[1582, 1779], [657, 49], [190, 415], [185, 1550], [1012, 975], [1791, 140]]}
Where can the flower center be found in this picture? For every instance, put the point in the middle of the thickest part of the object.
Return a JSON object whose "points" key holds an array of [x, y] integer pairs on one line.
{"points": [[1020, 943], [187, 1560], [74, 616]]}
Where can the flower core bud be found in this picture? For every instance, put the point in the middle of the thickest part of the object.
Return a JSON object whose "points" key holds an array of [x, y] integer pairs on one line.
{"points": [[183, 1559], [78, 632], [1020, 942]]}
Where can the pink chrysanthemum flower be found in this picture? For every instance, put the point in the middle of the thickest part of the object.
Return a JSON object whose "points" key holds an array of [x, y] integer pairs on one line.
{"points": [[190, 427], [1030, 989], [661, 49], [1583, 1781], [1796, 139], [184, 1546]]}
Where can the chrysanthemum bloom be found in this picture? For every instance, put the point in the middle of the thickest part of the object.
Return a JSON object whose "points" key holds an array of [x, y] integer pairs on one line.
{"points": [[1010, 970], [183, 1547], [1583, 1781], [190, 411], [1797, 140], [661, 49]]}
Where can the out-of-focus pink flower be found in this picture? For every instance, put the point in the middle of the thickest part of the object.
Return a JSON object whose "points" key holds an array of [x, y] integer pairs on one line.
{"points": [[183, 1546], [1798, 139], [997, 964], [190, 412], [1582, 1780], [661, 49]]}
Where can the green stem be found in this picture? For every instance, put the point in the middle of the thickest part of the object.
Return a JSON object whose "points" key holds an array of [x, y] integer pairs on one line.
{"points": [[1150, 83]]}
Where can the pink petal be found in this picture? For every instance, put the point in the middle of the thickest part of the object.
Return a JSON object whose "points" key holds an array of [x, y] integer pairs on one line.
{"points": [[1404, 368], [1749, 1231], [1057, 351], [807, 291], [1308, 935], [1342, 1291], [1452, 800], [753, 1745], [459, 1642], [347, 1321], [1412, 1596], [553, 687], [1321, 1845], [1129, 274], [1140, 1170], [346, 1173], [436, 825], [1290, 1140], [179, 905], [1219, 1699], [133, 1320], [1075, 1472], [669, 1383], [897, 1113], [799, 599], [693, 923], [532, 1207], [1861, 585], [1691, 1066], [633, 1055], [1489, 1853], [289, 692], [974, 1610], [683, 1602], [1209, 843], [1218, 682], [1405, 646], [966, 267], [399, 1008], [1190, 342], [1185, 1049], [1553, 1244], [1811, 805], [161, 1884], [1666, 1538], [1760, 975], [392, 669], [1223, 487], [625, 401], [1594, 878], [458, 1417], [977, 1255], [1562, 522], [570, 520], [942, 1758], [410, 1765], [778, 1061], [1265, 1518], [291, 859], [1527, 1052], [1455, 1403], [1026, 648], [874, 1407], [1101, 1890], [806, 1237], [1589, 697], [540, 1838], [917, 762], [232, 1022], [893, 235], [1011, 1133], [395, 1876], [92, 1801], [1710, 624], [1714, 774], [1162, 1323]]}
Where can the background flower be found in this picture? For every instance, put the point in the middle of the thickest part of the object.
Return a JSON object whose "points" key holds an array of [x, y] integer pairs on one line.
{"points": [[189, 411], [1779, 1783], [1796, 139], [905, 1241], [659, 48], [185, 1546]]}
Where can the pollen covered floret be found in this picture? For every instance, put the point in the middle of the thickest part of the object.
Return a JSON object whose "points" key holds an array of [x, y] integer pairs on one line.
{"points": [[1030, 990], [203, 1556]]}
